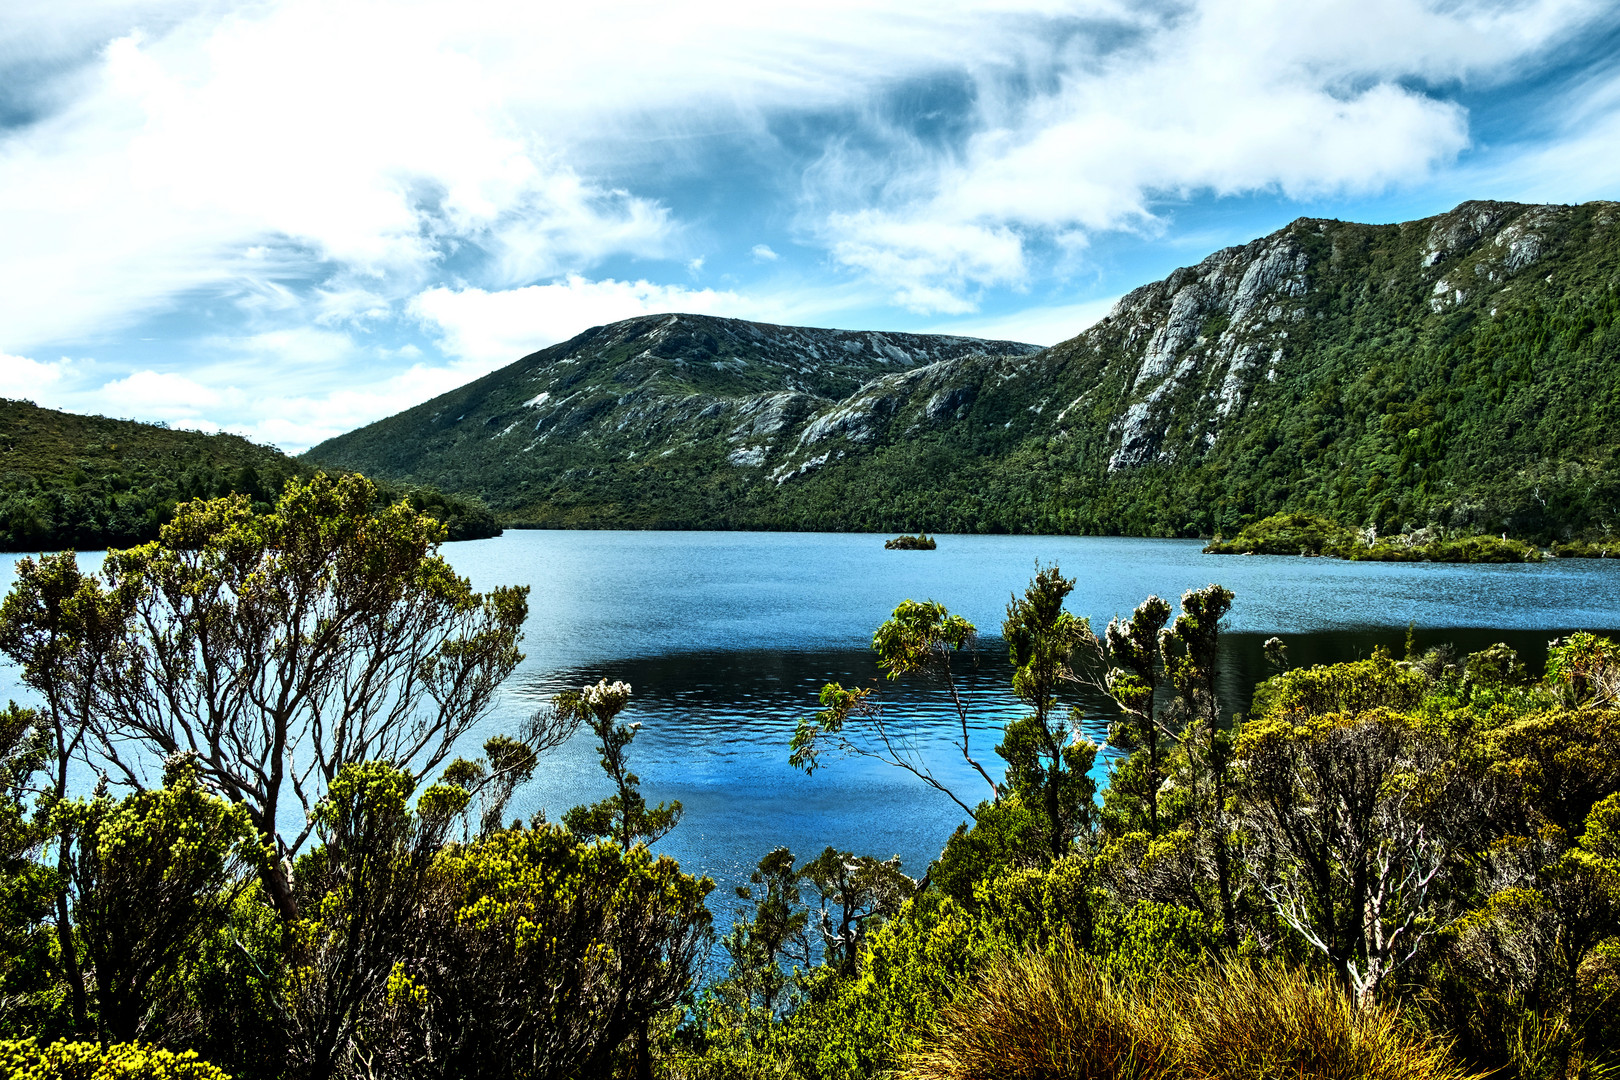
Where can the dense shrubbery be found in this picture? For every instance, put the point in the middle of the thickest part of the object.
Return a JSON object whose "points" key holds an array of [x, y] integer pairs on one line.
{"points": [[1391, 868], [26, 1060], [1602, 547], [1307, 534], [88, 482], [1401, 868], [920, 542], [397, 926]]}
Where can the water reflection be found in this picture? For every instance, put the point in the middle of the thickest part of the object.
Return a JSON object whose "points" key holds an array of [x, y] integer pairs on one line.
{"points": [[716, 726], [727, 637]]}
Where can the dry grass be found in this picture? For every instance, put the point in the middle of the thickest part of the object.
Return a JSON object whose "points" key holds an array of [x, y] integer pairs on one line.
{"points": [[1046, 1017]]}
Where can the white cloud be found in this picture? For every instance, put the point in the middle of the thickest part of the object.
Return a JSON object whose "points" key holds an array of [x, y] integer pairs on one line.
{"points": [[490, 329], [162, 394], [296, 422], [1224, 97], [763, 253], [22, 377], [929, 264], [367, 141], [1043, 325]]}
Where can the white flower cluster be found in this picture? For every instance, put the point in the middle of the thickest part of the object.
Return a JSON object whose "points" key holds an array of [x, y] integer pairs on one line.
{"points": [[604, 693]]}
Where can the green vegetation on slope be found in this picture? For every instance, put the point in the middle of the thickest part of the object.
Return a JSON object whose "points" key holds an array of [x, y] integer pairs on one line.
{"points": [[1461, 371], [90, 482]]}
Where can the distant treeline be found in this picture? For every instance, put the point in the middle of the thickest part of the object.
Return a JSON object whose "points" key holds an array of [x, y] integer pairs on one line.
{"points": [[90, 482]]}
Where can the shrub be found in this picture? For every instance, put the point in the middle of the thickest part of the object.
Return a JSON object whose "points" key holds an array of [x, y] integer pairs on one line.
{"points": [[1052, 1015], [1247, 1022], [1286, 534], [26, 1060]]}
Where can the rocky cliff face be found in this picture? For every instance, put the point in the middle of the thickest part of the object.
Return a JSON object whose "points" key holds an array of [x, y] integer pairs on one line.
{"points": [[1278, 373], [1231, 323]]}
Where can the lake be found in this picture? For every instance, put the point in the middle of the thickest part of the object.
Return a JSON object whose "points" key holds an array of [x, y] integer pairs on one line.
{"points": [[726, 639]]}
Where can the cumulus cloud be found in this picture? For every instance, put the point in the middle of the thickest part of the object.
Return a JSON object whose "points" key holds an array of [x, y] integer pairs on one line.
{"points": [[930, 264], [321, 176], [23, 377], [494, 328], [371, 141], [1047, 324], [1223, 98]]}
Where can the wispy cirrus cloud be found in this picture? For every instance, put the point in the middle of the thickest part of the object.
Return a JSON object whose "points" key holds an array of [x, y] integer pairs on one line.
{"points": [[1221, 99]]}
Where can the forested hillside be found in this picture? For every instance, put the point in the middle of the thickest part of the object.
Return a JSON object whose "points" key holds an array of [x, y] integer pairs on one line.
{"points": [[91, 482], [1461, 371]]}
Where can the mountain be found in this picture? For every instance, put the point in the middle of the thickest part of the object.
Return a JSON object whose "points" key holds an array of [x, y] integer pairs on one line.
{"points": [[669, 420], [90, 482], [1460, 371]]}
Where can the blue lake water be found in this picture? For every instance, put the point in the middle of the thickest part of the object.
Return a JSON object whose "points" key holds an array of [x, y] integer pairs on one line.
{"points": [[727, 637]]}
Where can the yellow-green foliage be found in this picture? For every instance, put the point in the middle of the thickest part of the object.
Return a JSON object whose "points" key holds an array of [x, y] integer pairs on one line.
{"points": [[1604, 547], [1045, 1016], [1308, 534], [1378, 682], [25, 1059], [1286, 534], [913, 965], [1468, 549]]}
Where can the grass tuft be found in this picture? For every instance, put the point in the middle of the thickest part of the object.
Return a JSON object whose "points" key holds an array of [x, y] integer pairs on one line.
{"points": [[1055, 1015]]}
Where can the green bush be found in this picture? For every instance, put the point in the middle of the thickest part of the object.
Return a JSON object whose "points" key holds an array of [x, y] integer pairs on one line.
{"points": [[1286, 534], [26, 1060]]}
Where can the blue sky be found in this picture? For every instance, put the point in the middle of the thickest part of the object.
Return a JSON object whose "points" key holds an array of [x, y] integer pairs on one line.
{"points": [[288, 218]]}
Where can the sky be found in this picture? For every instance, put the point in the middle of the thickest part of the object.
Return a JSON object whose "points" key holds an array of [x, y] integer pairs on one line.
{"points": [[289, 218]]}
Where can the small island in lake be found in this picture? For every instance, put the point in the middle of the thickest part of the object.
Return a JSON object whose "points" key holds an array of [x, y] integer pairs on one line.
{"points": [[1310, 535], [920, 542], [1604, 547]]}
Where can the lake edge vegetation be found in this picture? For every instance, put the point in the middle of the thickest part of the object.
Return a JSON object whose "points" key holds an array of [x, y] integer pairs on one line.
{"points": [[1397, 867]]}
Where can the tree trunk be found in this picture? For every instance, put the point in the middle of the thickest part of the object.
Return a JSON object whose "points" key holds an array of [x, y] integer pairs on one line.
{"points": [[643, 1056], [1223, 854], [65, 942]]}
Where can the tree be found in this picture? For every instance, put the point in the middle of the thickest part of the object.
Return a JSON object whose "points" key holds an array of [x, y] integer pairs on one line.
{"points": [[153, 874], [27, 886], [775, 934], [362, 892], [1134, 670], [1351, 818], [856, 892], [623, 816], [1048, 759], [507, 764], [64, 631], [540, 956], [1584, 669], [1192, 657], [920, 638], [279, 648]]}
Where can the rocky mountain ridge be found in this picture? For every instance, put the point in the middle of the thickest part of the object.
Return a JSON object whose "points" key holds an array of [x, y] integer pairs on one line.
{"points": [[1459, 371], [681, 389]]}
